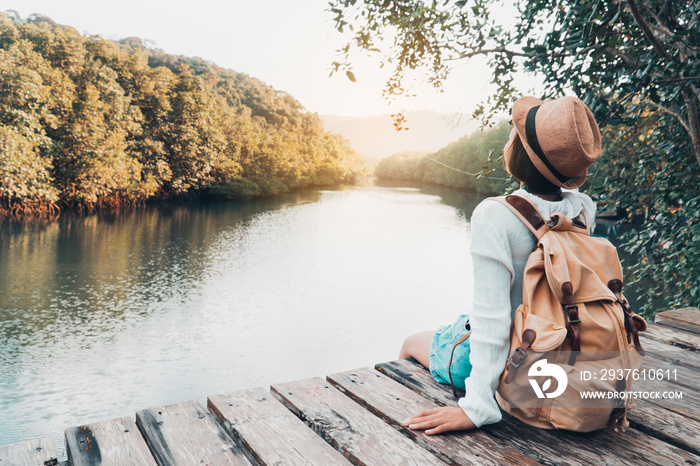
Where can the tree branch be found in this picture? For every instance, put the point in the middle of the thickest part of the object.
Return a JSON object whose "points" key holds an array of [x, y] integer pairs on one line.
{"points": [[693, 123], [695, 89], [513, 53], [675, 80], [510, 53], [693, 19], [659, 24], [685, 47], [670, 112], [645, 29], [620, 54]]}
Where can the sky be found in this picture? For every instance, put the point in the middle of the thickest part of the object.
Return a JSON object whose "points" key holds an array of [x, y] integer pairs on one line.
{"points": [[288, 44]]}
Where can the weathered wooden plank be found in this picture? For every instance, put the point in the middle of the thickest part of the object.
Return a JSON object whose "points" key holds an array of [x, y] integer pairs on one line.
{"points": [[186, 433], [688, 404], [552, 446], [687, 318], [38, 451], [113, 442], [673, 354], [672, 336], [269, 431], [359, 435], [393, 403], [631, 448], [679, 372], [670, 427]]}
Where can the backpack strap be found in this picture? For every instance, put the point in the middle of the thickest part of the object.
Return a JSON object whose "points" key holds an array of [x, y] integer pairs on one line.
{"points": [[581, 220], [459, 341], [526, 212]]}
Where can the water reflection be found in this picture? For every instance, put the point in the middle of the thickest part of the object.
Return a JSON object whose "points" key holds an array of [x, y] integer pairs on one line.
{"points": [[464, 202], [60, 277]]}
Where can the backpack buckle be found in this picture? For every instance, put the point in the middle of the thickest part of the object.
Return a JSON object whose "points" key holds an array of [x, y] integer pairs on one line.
{"points": [[572, 307], [517, 358], [625, 306], [519, 354]]}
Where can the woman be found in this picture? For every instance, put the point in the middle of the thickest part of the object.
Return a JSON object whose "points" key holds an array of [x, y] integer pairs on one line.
{"points": [[551, 147]]}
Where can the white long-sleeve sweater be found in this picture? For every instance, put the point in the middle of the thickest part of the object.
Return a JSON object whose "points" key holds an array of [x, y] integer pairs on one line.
{"points": [[501, 244]]}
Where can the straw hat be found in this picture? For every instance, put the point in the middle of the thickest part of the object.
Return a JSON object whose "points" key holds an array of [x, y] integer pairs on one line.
{"points": [[560, 136]]}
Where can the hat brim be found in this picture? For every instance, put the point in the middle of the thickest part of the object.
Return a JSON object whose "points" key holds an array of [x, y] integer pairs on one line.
{"points": [[521, 107]]}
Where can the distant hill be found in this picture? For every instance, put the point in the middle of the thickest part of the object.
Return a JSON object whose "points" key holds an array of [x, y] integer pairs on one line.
{"points": [[456, 165], [375, 136]]}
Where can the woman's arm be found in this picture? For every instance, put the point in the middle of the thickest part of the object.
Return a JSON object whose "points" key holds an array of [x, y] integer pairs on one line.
{"points": [[491, 311], [490, 319]]}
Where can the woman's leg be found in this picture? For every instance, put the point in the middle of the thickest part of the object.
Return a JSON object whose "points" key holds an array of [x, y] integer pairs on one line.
{"points": [[417, 346]]}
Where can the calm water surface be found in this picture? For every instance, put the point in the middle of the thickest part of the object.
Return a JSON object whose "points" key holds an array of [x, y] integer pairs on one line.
{"points": [[101, 317]]}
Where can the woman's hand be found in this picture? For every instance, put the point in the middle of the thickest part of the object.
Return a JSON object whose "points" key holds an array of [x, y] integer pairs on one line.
{"points": [[439, 420]]}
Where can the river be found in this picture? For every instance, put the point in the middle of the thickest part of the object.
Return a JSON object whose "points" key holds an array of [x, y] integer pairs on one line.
{"points": [[104, 315]]}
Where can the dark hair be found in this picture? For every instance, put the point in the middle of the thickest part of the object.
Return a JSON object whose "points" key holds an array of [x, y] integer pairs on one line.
{"points": [[522, 168]]}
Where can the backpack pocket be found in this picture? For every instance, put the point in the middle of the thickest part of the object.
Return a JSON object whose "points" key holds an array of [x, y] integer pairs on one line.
{"points": [[550, 335]]}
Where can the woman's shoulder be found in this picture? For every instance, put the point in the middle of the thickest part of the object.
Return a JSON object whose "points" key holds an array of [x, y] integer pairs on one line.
{"points": [[494, 213], [500, 216], [487, 206]]}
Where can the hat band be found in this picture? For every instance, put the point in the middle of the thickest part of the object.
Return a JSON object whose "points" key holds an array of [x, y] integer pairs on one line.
{"points": [[534, 143]]}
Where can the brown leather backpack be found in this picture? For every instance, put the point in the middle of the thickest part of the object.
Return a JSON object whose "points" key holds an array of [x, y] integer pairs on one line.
{"points": [[574, 331]]}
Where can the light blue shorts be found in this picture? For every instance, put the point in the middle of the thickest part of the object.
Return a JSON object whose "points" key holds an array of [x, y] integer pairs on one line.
{"points": [[441, 349]]}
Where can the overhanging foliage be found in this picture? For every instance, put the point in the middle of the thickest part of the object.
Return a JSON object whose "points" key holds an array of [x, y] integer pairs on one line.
{"points": [[637, 66]]}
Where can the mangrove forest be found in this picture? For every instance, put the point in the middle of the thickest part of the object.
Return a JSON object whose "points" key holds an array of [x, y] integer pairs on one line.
{"points": [[89, 123]]}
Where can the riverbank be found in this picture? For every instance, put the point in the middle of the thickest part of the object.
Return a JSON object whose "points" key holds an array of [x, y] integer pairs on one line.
{"points": [[23, 211]]}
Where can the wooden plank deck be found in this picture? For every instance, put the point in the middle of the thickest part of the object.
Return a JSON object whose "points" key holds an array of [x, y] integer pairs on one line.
{"points": [[682, 319], [186, 433], [32, 452], [269, 431], [118, 441], [355, 417]]}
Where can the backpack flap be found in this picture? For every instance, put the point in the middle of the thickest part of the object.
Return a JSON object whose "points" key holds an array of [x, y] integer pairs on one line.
{"points": [[588, 265]]}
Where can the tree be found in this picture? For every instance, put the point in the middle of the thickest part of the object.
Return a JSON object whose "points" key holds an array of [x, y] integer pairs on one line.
{"points": [[194, 139], [636, 65], [27, 106]]}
